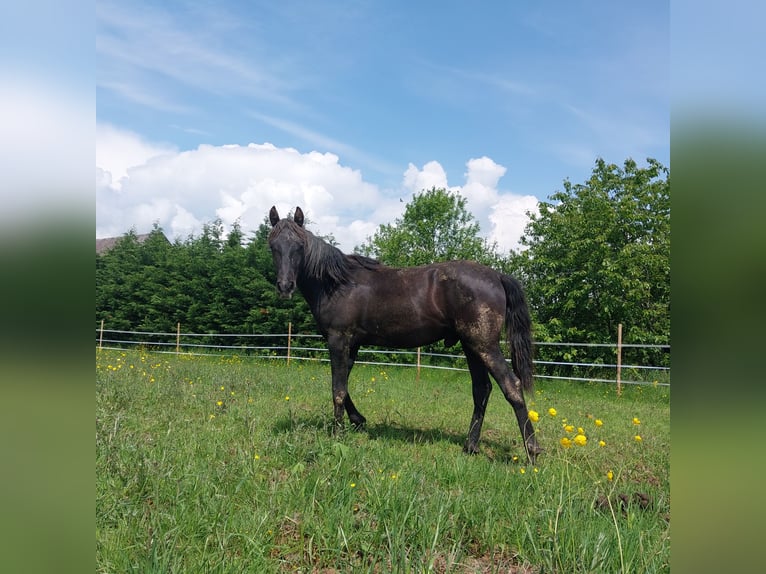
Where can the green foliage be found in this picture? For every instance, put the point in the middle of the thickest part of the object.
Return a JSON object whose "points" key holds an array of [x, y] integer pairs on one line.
{"points": [[436, 226], [598, 254], [212, 283], [223, 464]]}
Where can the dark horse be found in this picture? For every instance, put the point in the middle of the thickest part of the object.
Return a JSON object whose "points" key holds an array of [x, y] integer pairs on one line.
{"points": [[358, 301]]}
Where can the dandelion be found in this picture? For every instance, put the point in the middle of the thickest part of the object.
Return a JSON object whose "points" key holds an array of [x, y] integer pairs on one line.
{"points": [[638, 438], [534, 416], [568, 428], [599, 422], [515, 458], [601, 443], [636, 421], [565, 442], [353, 485], [219, 403], [535, 469], [212, 416], [609, 475], [580, 430], [257, 456], [394, 476], [552, 412], [222, 387], [522, 470], [581, 440], [287, 397]]}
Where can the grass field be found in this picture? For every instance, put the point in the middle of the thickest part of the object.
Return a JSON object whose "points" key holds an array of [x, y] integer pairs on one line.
{"points": [[221, 464]]}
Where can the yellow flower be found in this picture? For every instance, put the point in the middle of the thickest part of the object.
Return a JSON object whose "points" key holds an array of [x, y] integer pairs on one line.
{"points": [[521, 470], [599, 422], [552, 412], [636, 421], [565, 442], [609, 475], [568, 428], [637, 437], [601, 443], [534, 416], [222, 387], [219, 403], [581, 440], [287, 398], [353, 485], [257, 457], [580, 430]]}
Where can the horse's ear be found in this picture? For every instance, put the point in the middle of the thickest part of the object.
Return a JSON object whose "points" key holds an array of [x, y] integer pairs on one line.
{"points": [[273, 215], [298, 217]]}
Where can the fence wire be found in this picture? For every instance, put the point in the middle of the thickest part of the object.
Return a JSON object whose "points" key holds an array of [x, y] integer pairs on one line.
{"points": [[161, 342]]}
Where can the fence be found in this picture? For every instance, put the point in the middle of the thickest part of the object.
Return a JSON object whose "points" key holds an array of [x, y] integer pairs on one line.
{"points": [[291, 347]]}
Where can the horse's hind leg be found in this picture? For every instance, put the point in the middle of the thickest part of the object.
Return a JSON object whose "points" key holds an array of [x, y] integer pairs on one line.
{"points": [[482, 387], [510, 384]]}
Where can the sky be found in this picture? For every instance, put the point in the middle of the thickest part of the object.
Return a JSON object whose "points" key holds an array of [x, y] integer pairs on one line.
{"points": [[210, 110]]}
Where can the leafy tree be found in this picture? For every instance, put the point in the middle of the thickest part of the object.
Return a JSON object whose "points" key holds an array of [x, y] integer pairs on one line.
{"points": [[598, 254], [436, 226]]}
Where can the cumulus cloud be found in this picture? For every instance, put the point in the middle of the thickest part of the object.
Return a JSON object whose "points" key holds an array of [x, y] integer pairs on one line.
{"points": [[502, 215], [432, 175], [139, 183]]}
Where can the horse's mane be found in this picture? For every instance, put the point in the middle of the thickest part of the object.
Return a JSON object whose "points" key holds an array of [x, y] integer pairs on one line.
{"points": [[323, 261]]}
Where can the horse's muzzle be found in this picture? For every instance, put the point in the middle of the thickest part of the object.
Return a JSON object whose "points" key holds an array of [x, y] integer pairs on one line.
{"points": [[286, 288]]}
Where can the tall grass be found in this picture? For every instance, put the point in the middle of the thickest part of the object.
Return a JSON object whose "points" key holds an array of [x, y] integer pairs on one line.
{"points": [[228, 465]]}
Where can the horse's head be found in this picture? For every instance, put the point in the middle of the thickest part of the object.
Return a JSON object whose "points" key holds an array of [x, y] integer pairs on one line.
{"points": [[287, 244]]}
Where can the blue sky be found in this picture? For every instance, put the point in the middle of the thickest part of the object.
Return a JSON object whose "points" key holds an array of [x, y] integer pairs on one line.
{"points": [[352, 105]]}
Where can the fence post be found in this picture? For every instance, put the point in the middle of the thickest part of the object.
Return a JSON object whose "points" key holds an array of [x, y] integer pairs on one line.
{"points": [[418, 377], [178, 337], [619, 359], [101, 335], [289, 337]]}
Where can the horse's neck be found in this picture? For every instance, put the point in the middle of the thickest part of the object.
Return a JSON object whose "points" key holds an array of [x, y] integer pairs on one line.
{"points": [[313, 291]]}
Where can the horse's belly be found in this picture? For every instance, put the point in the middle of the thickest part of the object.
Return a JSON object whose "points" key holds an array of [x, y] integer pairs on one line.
{"points": [[386, 336]]}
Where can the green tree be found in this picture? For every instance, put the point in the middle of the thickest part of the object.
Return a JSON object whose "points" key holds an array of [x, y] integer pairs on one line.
{"points": [[598, 254], [436, 226]]}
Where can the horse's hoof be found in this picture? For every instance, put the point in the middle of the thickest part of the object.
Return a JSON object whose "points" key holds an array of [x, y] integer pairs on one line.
{"points": [[533, 453], [359, 424]]}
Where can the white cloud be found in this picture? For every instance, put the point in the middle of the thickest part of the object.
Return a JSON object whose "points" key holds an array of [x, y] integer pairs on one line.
{"points": [[139, 183], [509, 218], [502, 215], [118, 150], [432, 175]]}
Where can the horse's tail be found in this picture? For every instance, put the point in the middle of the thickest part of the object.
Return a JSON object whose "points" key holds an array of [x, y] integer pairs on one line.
{"points": [[519, 325]]}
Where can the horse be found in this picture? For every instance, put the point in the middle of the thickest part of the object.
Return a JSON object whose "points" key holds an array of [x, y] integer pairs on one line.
{"points": [[357, 300]]}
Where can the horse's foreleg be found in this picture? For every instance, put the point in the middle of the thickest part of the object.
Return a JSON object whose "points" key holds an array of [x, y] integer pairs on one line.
{"points": [[341, 361], [482, 387]]}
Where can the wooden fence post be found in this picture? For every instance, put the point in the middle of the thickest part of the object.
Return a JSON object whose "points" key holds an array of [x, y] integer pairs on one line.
{"points": [[178, 337], [418, 378], [101, 335], [619, 359], [289, 337]]}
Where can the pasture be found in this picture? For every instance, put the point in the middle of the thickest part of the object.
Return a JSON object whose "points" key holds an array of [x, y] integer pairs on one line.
{"points": [[223, 464]]}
